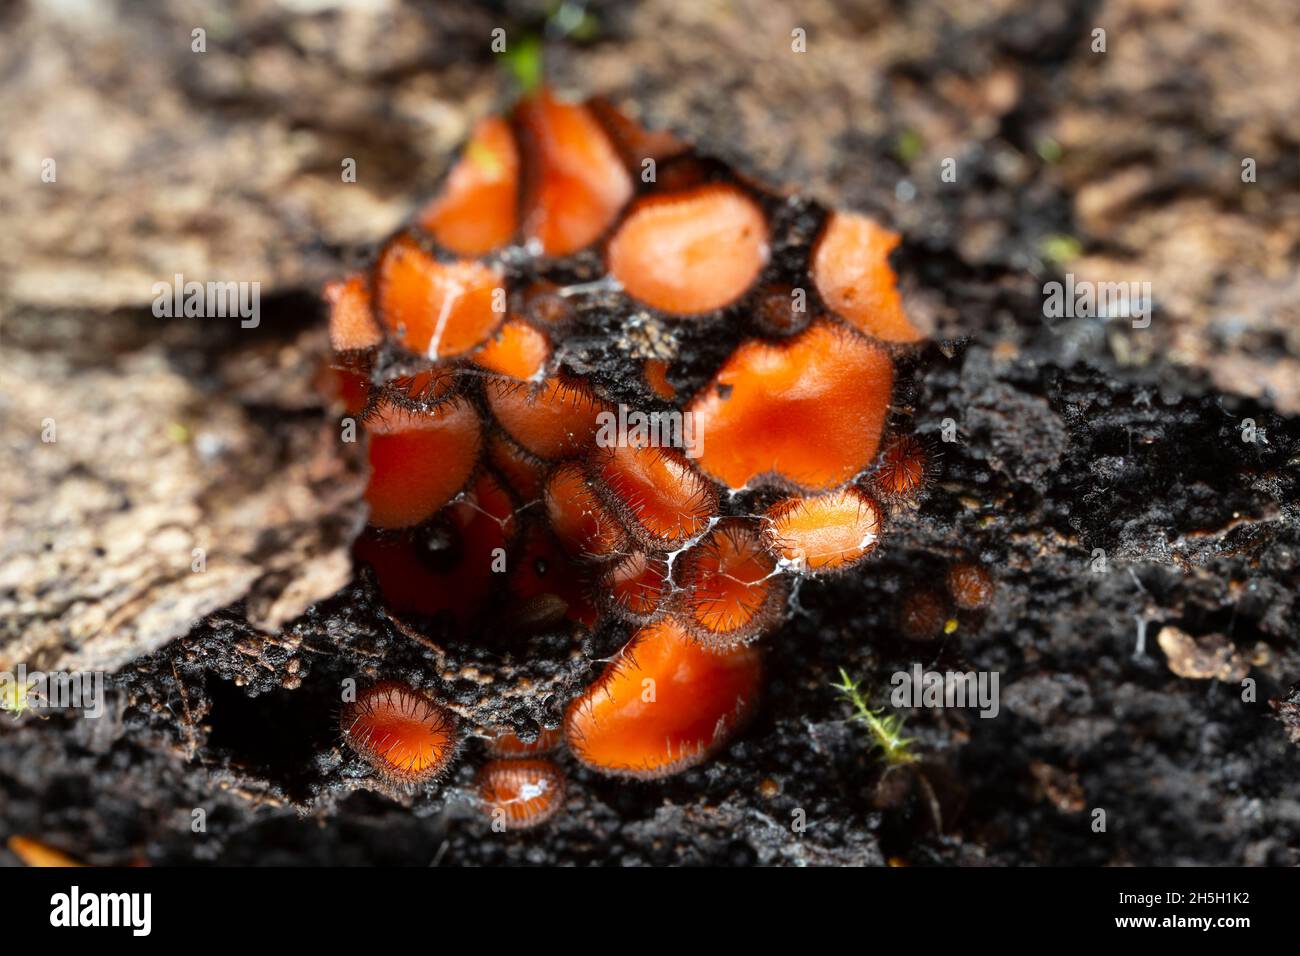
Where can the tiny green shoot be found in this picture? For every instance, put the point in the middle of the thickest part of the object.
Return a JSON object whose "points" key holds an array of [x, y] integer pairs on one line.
{"points": [[1049, 150], [1060, 249], [908, 146], [524, 59], [884, 729], [13, 697]]}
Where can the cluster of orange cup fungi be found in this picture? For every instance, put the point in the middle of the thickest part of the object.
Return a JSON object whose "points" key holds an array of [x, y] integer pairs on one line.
{"points": [[483, 442]]}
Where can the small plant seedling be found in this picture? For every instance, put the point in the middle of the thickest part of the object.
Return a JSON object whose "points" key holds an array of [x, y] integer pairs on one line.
{"points": [[885, 730], [15, 698]]}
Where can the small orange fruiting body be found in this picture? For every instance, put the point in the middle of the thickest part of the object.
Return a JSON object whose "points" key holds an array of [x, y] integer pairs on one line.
{"points": [[970, 585], [667, 704], [580, 183], [404, 489], [903, 468], [555, 419], [807, 412], [637, 585], [403, 734], [656, 379], [520, 794], [349, 387], [693, 252], [522, 470], [545, 304], [634, 142], [35, 853], [662, 499], [683, 173], [545, 585], [850, 267], [781, 310], [352, 321], [487, 509], [922, 614], [433, 308], [578, 517], [477, 211], [518, 350], [506, 743], [730, 590], [455, 579], [425, 389], [825, 532]]}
